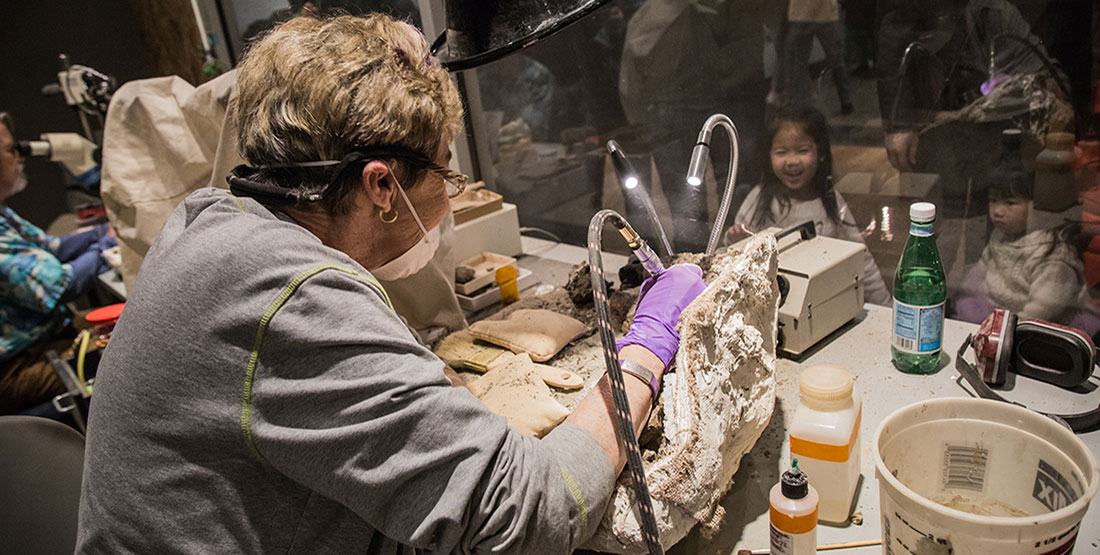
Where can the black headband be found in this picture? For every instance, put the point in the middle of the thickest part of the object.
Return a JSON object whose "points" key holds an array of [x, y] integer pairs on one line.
{"points": [[241, 182]]}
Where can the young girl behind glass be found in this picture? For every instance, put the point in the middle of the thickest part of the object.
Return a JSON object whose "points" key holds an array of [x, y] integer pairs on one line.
{"points": [[799, 187]]}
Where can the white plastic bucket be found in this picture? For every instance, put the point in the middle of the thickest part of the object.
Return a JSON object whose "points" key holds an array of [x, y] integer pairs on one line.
{"points": [[973, 476]]}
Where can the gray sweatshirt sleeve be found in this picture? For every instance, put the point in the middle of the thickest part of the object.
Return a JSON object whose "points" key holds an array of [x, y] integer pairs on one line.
{"points": [[344, 401]]}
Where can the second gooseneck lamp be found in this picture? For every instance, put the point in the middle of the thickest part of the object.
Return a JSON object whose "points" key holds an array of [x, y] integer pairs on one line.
{"points": [[630, 182], [698, 165]]}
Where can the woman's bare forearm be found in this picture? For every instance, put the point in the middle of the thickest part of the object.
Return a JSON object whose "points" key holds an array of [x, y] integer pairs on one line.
{"points": [[596, 412]]}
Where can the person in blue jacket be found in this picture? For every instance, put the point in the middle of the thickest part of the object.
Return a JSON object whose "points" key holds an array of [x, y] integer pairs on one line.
{"points": [[39, 273]]}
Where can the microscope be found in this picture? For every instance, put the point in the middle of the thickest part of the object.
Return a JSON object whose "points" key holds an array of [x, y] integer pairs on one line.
{"points": [[88, 92], [76, 153]]}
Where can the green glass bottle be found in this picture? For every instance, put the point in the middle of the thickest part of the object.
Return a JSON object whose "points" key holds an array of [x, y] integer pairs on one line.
{"points": [[920, 289]]}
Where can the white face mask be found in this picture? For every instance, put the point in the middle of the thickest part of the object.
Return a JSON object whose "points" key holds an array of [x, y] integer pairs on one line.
{"points": [[414, 259]]}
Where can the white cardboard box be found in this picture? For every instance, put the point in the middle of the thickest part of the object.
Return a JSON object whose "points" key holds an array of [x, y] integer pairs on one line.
{"points": [[494, 232]]}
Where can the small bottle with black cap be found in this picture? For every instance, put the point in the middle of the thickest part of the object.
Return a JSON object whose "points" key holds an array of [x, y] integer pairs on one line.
{"points": [[793, 514]]}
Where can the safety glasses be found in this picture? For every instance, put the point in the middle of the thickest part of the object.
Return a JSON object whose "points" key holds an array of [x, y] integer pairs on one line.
{"points": [[455, 181]]}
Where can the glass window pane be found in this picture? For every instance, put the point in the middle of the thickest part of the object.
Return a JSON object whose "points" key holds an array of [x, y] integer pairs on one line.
{"points": [[914, 106]]}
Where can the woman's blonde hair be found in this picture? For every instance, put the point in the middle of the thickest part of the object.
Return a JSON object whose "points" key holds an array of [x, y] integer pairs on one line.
{"points": [[315, 89]]}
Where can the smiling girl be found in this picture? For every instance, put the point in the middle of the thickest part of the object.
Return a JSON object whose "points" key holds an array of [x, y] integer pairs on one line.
{"points": [[799, 187]]}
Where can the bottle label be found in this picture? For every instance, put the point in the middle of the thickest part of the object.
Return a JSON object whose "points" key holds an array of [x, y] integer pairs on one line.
{"points": [[920, 229], [918, 330], [783, 543]]}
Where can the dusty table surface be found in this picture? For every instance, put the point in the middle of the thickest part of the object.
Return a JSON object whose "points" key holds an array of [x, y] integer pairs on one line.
{"points": [[551, 263], [863, 348]]}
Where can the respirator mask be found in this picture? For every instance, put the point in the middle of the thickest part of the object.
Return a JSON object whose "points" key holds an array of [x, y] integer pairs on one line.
{"points": [[414, 259]]}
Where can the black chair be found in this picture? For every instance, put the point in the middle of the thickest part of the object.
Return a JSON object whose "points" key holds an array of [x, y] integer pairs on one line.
{"points": [[41, 465]]}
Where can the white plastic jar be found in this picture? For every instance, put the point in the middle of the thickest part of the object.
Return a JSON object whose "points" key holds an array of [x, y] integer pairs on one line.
{"points": [[825, 438]]}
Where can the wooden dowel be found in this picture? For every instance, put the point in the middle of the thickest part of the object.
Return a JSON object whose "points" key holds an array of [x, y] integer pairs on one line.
{"points": [[830, 547]]}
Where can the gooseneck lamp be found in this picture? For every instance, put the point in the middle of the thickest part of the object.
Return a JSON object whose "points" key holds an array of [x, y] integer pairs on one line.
{"points": [[699, 156], [629, 180]]}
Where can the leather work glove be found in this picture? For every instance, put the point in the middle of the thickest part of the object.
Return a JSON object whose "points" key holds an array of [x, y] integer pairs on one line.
{"points": [[662, 300]]}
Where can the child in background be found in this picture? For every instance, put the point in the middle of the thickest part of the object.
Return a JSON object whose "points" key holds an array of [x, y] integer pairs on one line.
{"points": [[1035, 274], [799, 187]]}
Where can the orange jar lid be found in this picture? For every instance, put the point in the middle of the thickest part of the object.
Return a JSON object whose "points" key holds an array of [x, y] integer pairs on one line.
{"points": [[106, 315]]}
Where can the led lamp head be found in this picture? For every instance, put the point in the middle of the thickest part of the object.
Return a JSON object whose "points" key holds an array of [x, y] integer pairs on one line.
{"points": [[699, 156], [698, 163], [623, 168]]}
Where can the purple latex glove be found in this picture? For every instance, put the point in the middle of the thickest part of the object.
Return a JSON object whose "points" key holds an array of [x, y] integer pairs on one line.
{"points": [[662, 300]]}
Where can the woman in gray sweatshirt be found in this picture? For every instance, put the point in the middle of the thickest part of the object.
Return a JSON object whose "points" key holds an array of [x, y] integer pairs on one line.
{"points": [[259, 393]]}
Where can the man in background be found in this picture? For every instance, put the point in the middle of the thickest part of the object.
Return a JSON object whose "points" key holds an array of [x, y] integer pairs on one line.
{"points": [[39, 273]]}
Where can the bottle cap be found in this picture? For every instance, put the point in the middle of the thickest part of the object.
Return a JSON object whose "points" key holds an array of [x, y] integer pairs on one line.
{"points": [[794, 483], [1011, 136], [826, 383], [922, 212]]}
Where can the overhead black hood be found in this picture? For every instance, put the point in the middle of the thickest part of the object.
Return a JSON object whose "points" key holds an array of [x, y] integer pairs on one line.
{"points": [[481, 31]]}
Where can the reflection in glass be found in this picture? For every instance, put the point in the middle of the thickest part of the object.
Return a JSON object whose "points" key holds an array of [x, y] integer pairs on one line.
{"points": [[798, 187], [647, 73], [1032, 271]]}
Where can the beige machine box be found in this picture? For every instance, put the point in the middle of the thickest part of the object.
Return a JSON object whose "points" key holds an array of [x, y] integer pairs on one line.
{"points": [[824, 286]]}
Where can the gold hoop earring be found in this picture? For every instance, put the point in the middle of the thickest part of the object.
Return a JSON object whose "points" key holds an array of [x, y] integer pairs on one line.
{"points": [[382, 216]]}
